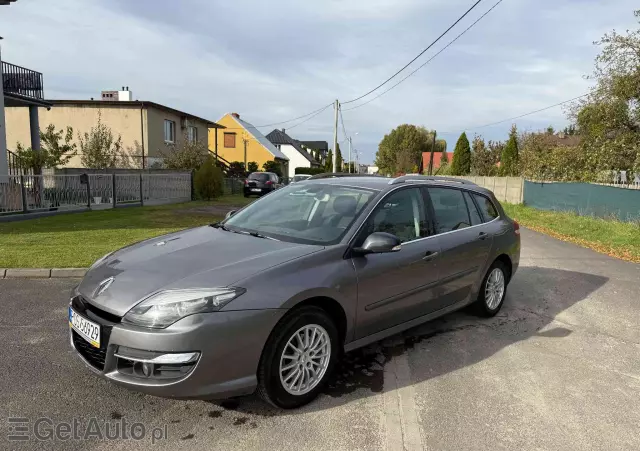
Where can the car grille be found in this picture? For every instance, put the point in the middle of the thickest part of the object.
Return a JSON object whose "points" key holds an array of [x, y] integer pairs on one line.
{"points": [[81, 305], [95, 356]]}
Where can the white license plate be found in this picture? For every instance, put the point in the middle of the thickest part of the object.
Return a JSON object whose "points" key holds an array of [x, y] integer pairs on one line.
{"points": [[256, 190], [88, 330]]}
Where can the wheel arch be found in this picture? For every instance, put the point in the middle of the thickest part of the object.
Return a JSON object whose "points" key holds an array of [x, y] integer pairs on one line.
{"points": [[506, 260]]}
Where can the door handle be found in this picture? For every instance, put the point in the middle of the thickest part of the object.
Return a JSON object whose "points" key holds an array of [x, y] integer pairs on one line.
{"points": [[482, 236], [429, 256]]}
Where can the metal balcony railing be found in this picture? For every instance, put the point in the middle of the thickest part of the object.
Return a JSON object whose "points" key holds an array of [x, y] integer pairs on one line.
{"points": [[21, 81]]}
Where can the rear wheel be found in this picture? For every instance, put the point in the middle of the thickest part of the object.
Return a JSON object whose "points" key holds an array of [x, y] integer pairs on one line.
{"points": [[298, 358], [493, 290]]}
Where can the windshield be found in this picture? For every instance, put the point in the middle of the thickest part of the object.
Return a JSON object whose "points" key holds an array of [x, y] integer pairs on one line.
{"points": [[310, 213]]}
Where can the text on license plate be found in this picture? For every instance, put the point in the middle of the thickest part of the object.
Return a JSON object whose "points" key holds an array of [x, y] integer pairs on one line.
{"points": [[256, 190], [88, 330]]}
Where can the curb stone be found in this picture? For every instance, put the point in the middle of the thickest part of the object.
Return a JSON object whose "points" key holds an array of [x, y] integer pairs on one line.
{"points": [[41, 273], [67, 272], [28, 273]]}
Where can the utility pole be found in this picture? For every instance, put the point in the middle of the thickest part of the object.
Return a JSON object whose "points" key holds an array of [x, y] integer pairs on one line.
{"points": [[245, 140], [433, 149], [335, 137], [349, 154]]}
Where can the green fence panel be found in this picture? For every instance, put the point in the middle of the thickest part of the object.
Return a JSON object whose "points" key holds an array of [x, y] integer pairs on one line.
{"points": [[584, 199]]}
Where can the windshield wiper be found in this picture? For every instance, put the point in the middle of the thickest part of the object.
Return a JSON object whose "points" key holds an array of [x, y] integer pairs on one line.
{"points": [[219, 225]]}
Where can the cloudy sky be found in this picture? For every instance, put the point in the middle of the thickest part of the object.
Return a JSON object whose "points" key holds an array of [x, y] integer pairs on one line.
{"points": [[275, 60]]}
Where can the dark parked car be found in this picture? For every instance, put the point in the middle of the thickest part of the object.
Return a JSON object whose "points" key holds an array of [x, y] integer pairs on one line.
{"points": [[259, 183], [270, 298]]}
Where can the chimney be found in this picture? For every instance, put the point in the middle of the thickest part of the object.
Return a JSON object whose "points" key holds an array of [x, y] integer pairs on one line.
{"points": [[125, 95], [236, 115], [283, 130]]}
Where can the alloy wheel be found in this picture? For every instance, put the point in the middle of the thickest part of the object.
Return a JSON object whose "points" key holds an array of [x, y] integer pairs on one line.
{"points": [[494, 289], [305, 359]]}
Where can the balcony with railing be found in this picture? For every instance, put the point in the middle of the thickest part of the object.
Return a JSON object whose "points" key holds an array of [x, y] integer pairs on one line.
{"points": [[21, 84]]}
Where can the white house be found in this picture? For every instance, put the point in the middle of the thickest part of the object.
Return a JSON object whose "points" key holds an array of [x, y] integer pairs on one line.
{"points": [[293, 149]]}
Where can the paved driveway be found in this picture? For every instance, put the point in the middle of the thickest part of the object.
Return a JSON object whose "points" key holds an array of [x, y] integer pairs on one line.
{"points": [[559, 368]]}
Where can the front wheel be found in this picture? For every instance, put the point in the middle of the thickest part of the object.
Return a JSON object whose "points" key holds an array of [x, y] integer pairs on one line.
{"points": [[298, 358], [493, 290]]}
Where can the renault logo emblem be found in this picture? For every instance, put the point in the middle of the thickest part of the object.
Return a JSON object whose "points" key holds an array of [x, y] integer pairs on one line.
{"points": [[104, 285]]}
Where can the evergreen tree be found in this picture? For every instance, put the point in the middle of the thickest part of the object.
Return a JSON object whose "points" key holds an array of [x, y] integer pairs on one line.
{"points": [[461, 164], [509, 160], [328, 165]]}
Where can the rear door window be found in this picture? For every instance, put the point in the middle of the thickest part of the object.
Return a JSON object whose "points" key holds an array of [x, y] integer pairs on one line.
{"points": [[487, 208], [450, 209], [476, 217]]}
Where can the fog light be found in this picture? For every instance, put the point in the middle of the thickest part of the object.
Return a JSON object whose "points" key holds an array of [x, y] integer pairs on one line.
{"points": [[147, 369]]}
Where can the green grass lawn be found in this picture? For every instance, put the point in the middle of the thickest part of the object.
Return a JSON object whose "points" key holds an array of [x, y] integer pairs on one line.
{"points": [[77, 240], [611, 237]]}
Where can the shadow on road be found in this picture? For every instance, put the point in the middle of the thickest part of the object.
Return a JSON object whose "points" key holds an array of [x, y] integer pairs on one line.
{"points": [[535, 296]]}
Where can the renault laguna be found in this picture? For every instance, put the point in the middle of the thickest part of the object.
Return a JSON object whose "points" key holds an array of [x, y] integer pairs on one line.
{"points": [[267, 300]]}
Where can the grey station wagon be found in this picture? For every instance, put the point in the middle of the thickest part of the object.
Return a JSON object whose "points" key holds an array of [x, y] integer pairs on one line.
{"points": [[269, 298]]}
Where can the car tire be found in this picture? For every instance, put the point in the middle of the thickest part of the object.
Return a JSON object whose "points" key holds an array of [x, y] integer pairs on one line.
{"points": [[278, 353], [493, 290]]}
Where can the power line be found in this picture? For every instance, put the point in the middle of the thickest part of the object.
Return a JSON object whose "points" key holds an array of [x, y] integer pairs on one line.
{"points": [[418, 56], [296, 118], [311, 117], [344, 130], [429, 60], [520, 116], [312, 114]]}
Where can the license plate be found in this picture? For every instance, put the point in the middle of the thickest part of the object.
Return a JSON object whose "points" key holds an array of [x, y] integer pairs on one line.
{"points": [[88, 330], [256, 190]]}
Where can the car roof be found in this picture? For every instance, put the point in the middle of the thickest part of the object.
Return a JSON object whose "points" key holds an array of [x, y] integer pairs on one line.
{"points": [[380, 183]]}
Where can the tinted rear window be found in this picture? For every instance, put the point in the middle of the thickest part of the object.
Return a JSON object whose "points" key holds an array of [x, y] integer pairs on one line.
{"points": [[258, 176], [486, 207], [476, 218], [450, 209]]}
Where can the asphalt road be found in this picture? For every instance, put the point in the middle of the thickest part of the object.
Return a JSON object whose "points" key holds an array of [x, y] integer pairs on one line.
{"points": [[558, 368]]}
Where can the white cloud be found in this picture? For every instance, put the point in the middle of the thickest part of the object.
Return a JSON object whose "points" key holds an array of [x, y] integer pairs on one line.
{"points": [[271, 61]]}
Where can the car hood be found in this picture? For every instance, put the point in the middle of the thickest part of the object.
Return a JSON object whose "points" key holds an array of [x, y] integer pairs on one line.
{"points": [[197, 258]]}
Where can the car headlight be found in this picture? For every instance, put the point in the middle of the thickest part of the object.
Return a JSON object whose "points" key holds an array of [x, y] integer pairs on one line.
{"points": [[166, 307], [101, 259]]}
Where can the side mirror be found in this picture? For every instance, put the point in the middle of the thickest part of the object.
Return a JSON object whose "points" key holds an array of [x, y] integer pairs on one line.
{"points": [[231, 213], [379, 243]]}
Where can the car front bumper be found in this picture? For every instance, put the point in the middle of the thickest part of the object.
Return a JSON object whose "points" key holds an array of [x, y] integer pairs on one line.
{"points": [[229, 345]]}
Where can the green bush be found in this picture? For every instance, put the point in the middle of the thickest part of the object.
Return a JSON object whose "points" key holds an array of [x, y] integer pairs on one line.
{"points": [[208, 180], [311, 171], [272, 166], [252, 166]]}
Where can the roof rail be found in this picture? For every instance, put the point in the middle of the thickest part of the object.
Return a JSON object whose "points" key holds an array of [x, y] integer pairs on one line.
{"points": [[328, 175], [428, 178]]}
